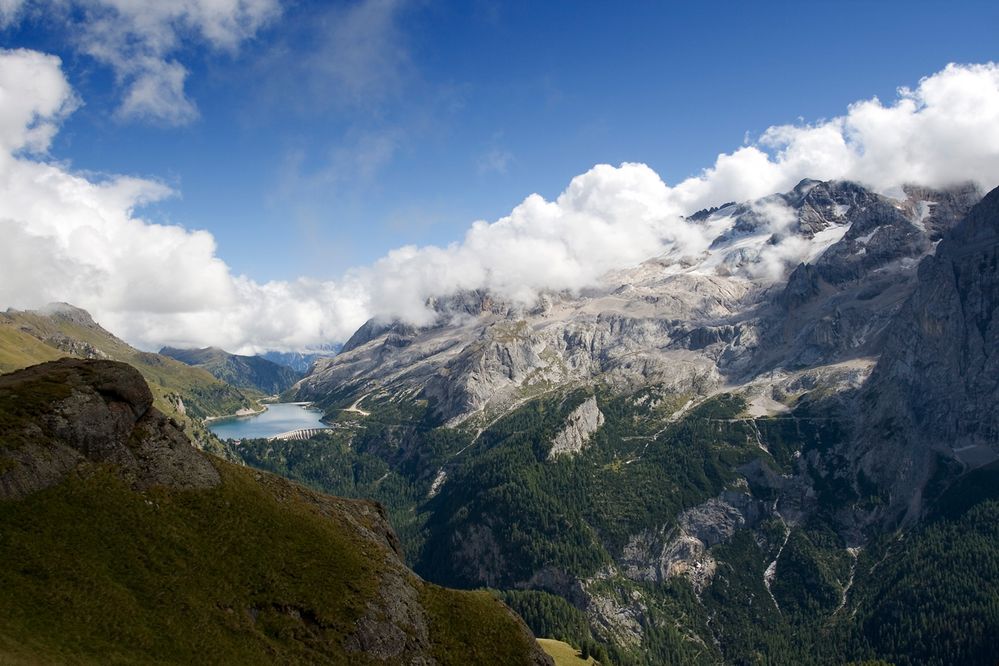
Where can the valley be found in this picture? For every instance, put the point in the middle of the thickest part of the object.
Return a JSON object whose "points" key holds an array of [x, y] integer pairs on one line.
{"points": [[398, 333], [679, 467], [674, 462]]}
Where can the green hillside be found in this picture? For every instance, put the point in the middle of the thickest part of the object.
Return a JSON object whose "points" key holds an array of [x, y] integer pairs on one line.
{"points": [[29, 337], [237, 567], [245, 372], [238, 574], [19, 349]]}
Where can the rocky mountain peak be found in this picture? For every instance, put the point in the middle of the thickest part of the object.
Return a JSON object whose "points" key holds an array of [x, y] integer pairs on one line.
{"points": [[69, 313]]}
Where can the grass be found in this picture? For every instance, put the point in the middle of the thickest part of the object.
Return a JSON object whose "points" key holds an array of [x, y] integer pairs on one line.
{"points": [[473, 628], [19, 350], [28, 338], [97, 573], [255, 571], [563, 653]]}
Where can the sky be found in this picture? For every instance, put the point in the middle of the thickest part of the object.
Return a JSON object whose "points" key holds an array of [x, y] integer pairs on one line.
{"points": [[267, 174]]}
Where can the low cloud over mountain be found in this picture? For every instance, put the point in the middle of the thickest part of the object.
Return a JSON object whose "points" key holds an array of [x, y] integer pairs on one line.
{"points": [[76, 237]]}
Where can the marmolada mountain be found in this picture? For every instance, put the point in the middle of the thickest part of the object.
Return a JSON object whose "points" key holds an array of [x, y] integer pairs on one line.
{"points": [[711, 458]]}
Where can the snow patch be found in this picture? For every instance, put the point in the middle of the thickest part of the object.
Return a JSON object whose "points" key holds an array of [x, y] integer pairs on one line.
{"points": [[923, 211]]}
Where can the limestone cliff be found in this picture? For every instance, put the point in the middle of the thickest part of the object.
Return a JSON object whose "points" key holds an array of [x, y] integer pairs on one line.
{"points": [[580, 425], [933, 399]]}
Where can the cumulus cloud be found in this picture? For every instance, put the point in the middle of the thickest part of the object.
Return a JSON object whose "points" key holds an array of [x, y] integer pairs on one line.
{"points": [[72, 237], [138, 39], [944, 131]]}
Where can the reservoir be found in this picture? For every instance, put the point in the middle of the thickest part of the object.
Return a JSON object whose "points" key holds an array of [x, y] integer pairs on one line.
{"points": [[280, 417]]}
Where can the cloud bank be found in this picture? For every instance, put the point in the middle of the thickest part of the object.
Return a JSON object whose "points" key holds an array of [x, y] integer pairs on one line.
{"points": [[74, 238]]}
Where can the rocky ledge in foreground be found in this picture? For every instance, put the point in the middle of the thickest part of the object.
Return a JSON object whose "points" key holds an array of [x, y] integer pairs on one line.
{"points": [[122, 543]]}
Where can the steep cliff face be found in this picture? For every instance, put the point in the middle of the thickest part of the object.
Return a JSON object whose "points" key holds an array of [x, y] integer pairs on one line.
{"points": [[120, 541], [579, 427], [933, 398]]}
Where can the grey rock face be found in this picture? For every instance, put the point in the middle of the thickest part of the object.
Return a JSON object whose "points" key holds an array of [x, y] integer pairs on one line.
{"points": [[838, 306], [657, 555], [60, 414], [622, 621], [580, 426], [395, 625], [690, 323], [935, 390]]}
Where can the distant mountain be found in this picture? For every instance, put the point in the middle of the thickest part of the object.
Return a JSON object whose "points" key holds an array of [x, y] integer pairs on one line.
{"points": [[59, 329], [247, 372], [123, 543], [302, 362]]}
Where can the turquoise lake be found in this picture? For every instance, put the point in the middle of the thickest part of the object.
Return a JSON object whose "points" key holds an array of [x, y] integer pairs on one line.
{"points": [[280, 417]]}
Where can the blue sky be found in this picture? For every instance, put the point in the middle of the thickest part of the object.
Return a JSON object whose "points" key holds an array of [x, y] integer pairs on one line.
{"points": [[254, 174], [466, 108]]}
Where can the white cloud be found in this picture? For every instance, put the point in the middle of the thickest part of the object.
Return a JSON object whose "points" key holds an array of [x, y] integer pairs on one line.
{"points": [[137, 39], [359, 55], [945, 131], [34, 98], [71, 237], [157, 93], [67, 237], [349, 57]]}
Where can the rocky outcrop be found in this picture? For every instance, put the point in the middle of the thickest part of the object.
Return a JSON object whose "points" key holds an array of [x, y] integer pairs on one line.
{"points": [[619, 616], [59, 415], [934, 394], [580, 425], [72, 331], [653, 556]]}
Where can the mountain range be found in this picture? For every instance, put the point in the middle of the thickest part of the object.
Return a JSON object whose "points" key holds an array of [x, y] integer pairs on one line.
{"points": [[710, 457], [781, 449], [245, 372]]}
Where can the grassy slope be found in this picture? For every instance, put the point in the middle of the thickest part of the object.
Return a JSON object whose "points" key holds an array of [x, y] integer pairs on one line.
{"points": [[245, 372], [251, 572], [563, 653], [19, 350], [203, 394]]}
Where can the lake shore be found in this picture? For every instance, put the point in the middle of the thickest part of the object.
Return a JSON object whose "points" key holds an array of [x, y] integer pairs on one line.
{"points": [[277, 418], [240, 414]]}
